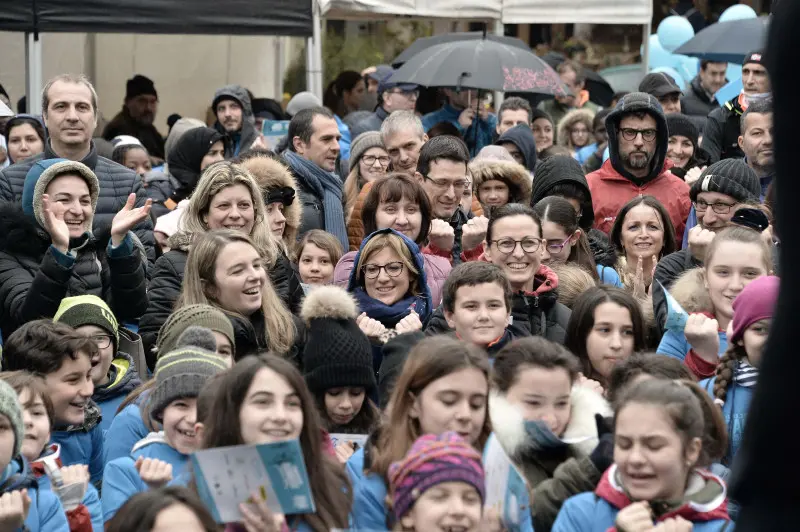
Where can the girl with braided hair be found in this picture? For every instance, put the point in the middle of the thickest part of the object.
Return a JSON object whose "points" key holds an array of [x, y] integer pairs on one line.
{"points": [[733, 384]]}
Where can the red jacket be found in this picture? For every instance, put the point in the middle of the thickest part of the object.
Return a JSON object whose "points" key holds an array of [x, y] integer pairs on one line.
{"points": [[610, 191]]}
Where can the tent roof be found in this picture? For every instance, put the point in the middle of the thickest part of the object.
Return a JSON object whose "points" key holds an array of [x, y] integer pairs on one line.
{"points": [[231, 17], [376, 9], [577, 11]]}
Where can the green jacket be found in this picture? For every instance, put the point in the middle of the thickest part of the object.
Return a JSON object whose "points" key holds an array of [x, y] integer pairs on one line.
{"points": [[552, 475]]}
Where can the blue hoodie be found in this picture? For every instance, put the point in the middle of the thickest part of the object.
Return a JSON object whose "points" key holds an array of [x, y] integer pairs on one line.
{"points": [[121, 480], [737, 404], [83, 445], [46, 513], [126, 429], [369, 510], [123, 380]]}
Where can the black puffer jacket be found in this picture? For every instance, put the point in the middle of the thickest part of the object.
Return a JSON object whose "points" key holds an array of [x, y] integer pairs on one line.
{"points": [[165, 289], [33, 282], [536, 313], [116, 183]]}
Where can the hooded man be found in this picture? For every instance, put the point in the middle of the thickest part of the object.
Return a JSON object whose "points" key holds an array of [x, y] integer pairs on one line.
{"points": [[637, 164], [520, 144], [466, 112], [235, 119], [723, 129], [137, 116]]}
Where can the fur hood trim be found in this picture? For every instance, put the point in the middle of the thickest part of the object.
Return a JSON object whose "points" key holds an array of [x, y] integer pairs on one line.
{"points": [[570, 119], [180, 241], [690, 291], [332, 302], [509, 425], [271, 174], [512, 174]]}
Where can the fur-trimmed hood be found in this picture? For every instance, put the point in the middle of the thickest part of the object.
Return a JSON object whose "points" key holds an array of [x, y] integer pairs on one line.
{"points": [[690, 291], [180, 241], [570, 119], [509, 425], [513, 174], [271, 174]]}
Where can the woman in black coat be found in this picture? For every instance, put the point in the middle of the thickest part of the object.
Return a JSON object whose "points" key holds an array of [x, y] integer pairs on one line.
{"points": [[49, 251]]}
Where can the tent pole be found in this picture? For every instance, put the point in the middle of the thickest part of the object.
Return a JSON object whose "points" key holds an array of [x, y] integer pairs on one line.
{"points": [[648, 29], [317, 29], [33, 79], [310, 64], [499, 29]]}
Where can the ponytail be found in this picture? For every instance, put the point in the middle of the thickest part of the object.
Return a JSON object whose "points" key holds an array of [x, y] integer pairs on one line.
{"points": [[725, 371]]}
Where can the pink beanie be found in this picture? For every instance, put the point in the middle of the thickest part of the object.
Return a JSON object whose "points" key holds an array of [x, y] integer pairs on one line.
{"points": [[755, 303]]}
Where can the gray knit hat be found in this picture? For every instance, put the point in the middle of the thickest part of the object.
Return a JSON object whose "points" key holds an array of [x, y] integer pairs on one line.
{"points": [[43, 172], [180, 373], [201, 315], [10, 407], [363, 142], [302, 100], [731, 177]]}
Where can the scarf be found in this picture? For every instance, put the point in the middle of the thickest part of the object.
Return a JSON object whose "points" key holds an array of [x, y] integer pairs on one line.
{"points": [[390, 315], [327, 186], [92, 417], [745, 374]]}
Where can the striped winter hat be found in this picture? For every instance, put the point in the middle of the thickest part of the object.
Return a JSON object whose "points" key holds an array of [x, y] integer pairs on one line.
{"points": [[434, 460]]}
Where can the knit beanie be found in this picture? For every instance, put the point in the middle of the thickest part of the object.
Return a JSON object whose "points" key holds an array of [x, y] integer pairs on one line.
{"points": [[201, 315], [731, 177], [88, 310], [181, 373], [138, 85], [363, 142], [538, 113], [42, 173], [10, 407], [755, 303], [679, 124], [337, 353], [302, 100], [756, 57], [434, 460]]}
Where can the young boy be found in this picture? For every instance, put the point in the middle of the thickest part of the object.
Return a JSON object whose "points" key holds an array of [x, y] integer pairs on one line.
{"points": [[113, 372], [63, 358], [22, 504], [70, 483], [477, 305]]}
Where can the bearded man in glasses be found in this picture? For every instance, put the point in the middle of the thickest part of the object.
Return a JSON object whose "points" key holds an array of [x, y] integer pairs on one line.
{"points": [[638, 164]]}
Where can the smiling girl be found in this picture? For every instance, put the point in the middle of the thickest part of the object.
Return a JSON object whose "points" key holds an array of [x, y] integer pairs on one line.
{"points": [[605, 328], [225, 269], [180, 376], [317, 255], [736, 257], [263, 399], [642, 233], [443, 387], [665, 433]]}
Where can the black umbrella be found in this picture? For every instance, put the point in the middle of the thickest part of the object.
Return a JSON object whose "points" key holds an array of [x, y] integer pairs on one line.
{"points": [[481, 64], [728, 42], [600, 91], [426, 42]]}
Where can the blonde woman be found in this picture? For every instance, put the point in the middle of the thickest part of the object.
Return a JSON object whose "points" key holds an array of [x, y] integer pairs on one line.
{"points": [[226, 269], [226, 197]]}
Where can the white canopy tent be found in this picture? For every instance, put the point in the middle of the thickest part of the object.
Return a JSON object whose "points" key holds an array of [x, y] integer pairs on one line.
{"points": [[577, 11]]}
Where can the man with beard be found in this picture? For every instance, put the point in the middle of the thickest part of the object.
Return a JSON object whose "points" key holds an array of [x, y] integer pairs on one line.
{"points": [[719, 192], [137, 116], [637, 163], [235, 120]]}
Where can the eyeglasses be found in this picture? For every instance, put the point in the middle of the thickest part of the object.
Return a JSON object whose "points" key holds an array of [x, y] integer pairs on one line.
{"points": [[411, 95], [102, 341], [629, 133], [507, 246], [444, 184], [369, 160], [719, 208], [557, 248], [392, 269]]}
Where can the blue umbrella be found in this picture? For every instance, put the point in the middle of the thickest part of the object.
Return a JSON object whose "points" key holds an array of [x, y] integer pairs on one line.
{"points": [[728, 42]]}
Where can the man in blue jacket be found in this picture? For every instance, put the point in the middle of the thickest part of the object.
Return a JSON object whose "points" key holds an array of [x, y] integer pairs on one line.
{"points": [[465, 111]]}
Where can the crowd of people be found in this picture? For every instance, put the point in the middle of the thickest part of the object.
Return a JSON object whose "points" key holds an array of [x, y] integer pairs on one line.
{"points": [[583, 292]]}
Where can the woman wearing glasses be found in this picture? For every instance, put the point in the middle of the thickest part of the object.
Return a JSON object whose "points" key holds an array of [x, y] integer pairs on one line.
{"points": [[369, 160], [642, 234], [566, 242], [389, 284], [514, 241]]}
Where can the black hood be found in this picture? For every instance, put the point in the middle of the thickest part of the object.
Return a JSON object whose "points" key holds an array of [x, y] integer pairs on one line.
{"points": [[186, 156], [633, 103], [560, 169], [521, 136]]}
